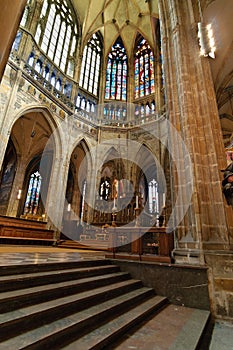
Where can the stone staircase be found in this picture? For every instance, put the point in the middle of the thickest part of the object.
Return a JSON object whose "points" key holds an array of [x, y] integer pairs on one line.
{"points": [[84, 244], [82, 305]]}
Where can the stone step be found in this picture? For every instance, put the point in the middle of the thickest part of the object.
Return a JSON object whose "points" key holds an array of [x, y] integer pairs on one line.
{"points": [[107, 333], [91, 305], [96, 244], [174, 327], [13, 300], [13, 282], [52, 266], [44, 312], [54, 334]]}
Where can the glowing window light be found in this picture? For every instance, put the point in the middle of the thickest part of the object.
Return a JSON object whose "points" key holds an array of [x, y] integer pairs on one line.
{"points": [[206, 40]]}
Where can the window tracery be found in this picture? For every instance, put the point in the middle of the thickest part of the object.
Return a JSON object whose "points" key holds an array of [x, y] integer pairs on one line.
{"points": [[116, 73], [91, 63], [57, 34], [33, 194], [105, 188], [143, 70], [153, 197]]}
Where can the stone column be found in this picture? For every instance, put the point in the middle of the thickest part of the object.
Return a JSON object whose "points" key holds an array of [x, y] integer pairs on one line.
{"points": [[10, 18], [192, 110], [14, 202]]}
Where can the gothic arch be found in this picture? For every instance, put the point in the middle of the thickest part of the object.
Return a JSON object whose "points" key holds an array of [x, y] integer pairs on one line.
{"points": [[31, 129]]}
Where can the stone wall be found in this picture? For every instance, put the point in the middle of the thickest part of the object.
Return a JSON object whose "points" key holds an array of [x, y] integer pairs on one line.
{"points": [[220, 274], [183, 285]]}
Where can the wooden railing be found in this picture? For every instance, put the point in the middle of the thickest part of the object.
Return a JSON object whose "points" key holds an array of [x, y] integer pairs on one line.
{"points": [[16, 230]]}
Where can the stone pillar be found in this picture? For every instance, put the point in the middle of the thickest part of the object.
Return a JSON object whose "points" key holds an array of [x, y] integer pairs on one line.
{"points": [[192, 110], [10, 17], [14, 202]]}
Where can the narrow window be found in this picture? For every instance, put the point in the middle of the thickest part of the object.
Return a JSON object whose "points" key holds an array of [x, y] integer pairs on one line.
{"points": [[33, 194], [116, 74], [58, 38], [90, 69], [144, 82]]}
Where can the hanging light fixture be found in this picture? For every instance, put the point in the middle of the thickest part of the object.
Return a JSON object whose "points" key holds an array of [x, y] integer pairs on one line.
{"points": [[205, 36]]}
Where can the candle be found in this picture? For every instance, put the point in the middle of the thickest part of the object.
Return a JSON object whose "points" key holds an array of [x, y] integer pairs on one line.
{"points": [[69, 207], [136, 201], [114, 204]]}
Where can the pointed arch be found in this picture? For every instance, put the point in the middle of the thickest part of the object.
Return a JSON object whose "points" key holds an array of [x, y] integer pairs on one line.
{"points": [[7, 175], [78, 181], [150, 180], [36, 144], [112, 173]]}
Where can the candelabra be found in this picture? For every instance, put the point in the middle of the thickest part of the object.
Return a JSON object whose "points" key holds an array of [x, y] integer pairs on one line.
{"points": [[137, 220], [114, 210]]}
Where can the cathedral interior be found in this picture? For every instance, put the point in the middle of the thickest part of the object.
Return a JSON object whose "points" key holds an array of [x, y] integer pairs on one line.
{"points": [[116, 132]]}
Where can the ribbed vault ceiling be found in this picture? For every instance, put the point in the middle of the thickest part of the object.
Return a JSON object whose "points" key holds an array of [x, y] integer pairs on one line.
{"points": [[118, 17], [128, 17]]}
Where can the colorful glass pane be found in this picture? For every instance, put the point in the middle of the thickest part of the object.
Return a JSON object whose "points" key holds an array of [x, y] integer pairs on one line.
{"points": [[143, 70], [116, 73]]}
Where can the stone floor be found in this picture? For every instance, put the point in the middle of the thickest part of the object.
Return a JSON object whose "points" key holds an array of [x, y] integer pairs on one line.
{"points": [[11, 255], [143, 338]]}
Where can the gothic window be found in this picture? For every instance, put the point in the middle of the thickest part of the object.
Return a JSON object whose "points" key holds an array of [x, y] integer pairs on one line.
{"points": [[31, 59], [90, 69], [17, 41], [83, 103], [46, 72], [153, 197], [57, 33], [105, 189], [116, 74], [67, 90], [33, 194], [53, 78], [58, 84], [78, 101], [38, 66], [25, 14], [143, 70]]}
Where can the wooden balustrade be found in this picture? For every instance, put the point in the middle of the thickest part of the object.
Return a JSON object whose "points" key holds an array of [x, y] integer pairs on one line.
{"points": [[18, 230]]}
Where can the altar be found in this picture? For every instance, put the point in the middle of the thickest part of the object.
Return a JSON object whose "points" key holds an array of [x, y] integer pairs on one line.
{"points": [[134, 243]]}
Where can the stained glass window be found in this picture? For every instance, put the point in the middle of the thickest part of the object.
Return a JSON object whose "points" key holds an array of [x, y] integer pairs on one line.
{"points": [[116, 74], [33, 194], [105, 189], [58, 37], [91, 62], [143, 70], [153, 197]]}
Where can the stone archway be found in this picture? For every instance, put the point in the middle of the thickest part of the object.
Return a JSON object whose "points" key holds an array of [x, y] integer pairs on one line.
{"points": [[29, 136]]}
